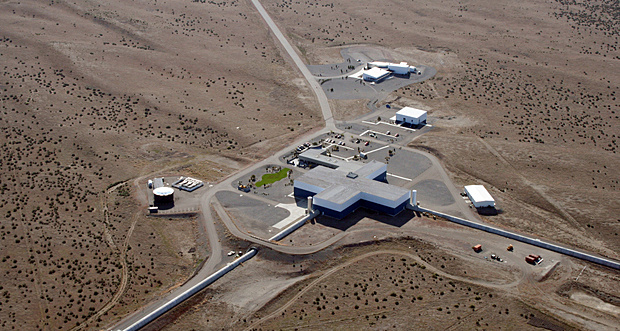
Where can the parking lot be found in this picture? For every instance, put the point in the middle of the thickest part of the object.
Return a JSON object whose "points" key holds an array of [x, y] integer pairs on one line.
{"points": [[254, 215]]}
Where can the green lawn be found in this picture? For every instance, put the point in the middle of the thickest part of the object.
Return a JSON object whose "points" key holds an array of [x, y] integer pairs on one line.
{"points": [[272, 178]]}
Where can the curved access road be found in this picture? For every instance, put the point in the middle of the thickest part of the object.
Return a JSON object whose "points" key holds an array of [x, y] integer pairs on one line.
{"points": [[314, 85], [214, 242]]}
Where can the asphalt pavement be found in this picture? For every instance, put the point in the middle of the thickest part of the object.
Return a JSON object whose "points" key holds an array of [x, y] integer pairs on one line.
{"points": [[208, 198], [214, 242], [318, 91]]}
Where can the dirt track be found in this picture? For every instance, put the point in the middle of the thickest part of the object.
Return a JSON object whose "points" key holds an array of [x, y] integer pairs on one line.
{"points": [[87, 102], [325, 274]]}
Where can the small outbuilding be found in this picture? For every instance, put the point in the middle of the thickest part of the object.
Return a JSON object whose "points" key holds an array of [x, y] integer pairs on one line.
{"points": [[399, 68], [375, 74], [479, 196], [158, 182], [410, 115]]}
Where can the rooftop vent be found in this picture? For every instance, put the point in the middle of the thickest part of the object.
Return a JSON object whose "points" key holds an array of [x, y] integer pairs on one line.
{"points": [[352, 175]]}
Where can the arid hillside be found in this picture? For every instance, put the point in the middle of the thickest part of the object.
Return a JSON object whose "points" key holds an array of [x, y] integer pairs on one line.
{"points": [[94, 94]]}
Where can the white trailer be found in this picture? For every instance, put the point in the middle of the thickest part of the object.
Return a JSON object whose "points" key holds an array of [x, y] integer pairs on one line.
{"points": [[378, 64]]}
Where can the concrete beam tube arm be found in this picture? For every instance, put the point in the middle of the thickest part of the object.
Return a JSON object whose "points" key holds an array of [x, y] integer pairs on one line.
{"points": [[192, 290], [528, 240]]}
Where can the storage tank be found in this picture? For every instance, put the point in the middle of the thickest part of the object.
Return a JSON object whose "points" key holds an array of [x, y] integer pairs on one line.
{"points": [[163, 195], [310, 206]]}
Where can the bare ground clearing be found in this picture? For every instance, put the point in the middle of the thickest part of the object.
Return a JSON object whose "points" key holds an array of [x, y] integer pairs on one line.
{"points": [[410, 282]]}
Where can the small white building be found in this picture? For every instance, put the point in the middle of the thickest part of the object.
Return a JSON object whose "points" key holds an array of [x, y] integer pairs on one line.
{"points": [[375, 74], [479, 196], [411, 116], [399, 69]]}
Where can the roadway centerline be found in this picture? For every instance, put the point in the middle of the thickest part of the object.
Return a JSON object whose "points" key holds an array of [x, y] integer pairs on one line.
{"points": [[399, 177]]}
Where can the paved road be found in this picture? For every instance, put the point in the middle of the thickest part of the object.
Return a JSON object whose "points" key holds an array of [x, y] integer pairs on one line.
{"points": [[214, 242], [209, 199], [318, 91], [350, 73]]}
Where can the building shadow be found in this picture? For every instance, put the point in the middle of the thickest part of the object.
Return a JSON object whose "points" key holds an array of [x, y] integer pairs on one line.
{"points": [[412, 126], [403, 76], [355, 217], [489, 211], [164, 205]]}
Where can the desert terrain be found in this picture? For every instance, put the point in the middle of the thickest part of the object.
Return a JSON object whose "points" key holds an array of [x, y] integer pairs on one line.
{"points": [[99, 96], [525, 103], [525, 94]]}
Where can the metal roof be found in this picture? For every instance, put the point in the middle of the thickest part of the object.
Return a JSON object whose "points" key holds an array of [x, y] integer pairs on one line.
{"points": [[411, 112], [376, 72], [339, 188], [478, 193], [315, 155], [163, 191]]}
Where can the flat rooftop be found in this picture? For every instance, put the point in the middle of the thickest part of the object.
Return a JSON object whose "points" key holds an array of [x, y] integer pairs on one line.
{"points": [[478, 193], [340, 188], [411, 112], [376, 72], [315, 155]]}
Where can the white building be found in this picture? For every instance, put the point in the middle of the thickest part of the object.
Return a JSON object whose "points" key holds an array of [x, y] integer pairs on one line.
{"points": [[337, 193], [479, 196], [378, 64], [411, 116], [399, 69], [375, 74]]}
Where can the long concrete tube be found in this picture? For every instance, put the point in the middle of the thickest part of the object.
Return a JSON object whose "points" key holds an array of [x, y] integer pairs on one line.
{"points": [[294, 226], [535, 242], [191, 291]]}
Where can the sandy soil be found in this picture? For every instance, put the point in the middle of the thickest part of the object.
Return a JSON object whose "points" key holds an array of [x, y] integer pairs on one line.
{"points": [[356, 286], [525, 103], [97, 93], [525, 94]]}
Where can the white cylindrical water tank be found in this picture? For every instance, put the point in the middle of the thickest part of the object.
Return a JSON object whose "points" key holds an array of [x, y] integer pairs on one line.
{"points": [[310, 205], [163, 194], [413, 201]]}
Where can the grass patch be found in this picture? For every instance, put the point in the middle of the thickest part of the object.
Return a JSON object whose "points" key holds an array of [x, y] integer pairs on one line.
{"points": [[272, 178]]}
